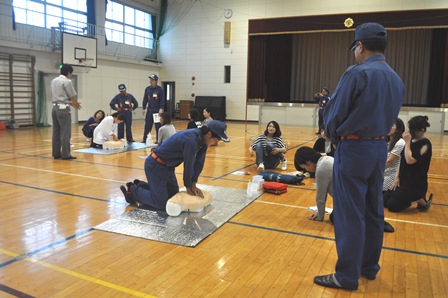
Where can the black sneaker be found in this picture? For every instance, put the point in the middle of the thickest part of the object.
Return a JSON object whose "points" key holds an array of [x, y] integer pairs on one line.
{"points": [[127, 196], [128, 185]]}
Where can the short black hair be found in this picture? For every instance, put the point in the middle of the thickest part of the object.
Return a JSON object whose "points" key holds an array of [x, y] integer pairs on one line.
{"points": [[305, 154], [375, 45], [66, 69], [118, 116], [166, 117], [418, 122], [194, 114]]}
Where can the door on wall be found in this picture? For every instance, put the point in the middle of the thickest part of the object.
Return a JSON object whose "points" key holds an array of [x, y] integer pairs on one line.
{"points": [[48, 77], [170, 91]]}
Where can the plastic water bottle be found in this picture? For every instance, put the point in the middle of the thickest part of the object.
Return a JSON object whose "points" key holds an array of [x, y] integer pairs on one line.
{"points": [[149, 141], [249, 188]]}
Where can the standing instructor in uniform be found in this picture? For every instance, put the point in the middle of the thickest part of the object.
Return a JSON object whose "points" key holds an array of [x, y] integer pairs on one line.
{"points": [[154, 100], [63, 95], [124, 103], [357, 119]]}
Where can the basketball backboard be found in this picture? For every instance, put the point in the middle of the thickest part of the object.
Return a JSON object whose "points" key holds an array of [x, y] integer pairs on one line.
{"points": [[76, 49]]}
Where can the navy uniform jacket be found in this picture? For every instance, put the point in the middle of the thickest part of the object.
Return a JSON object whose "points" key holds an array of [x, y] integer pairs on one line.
{"points": [[154, 98], [185, 146], [127, 102], [322, 100], [366, 101]]}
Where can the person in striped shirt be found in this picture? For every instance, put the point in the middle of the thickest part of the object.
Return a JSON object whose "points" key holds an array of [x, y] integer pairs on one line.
{"points": [[269, 148]]}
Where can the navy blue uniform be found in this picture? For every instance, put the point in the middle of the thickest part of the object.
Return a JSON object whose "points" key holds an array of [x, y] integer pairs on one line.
{"points": [[88, 129], [364, 105], [186, 147], [125, 104], [153, 101], [322, 100]]}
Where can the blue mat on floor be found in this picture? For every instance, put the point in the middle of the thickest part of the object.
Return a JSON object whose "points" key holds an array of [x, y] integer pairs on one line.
{"points": [[187, 229], [130, 147]]}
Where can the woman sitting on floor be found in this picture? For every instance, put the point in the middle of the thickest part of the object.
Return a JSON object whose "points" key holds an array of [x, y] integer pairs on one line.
{"points": [[413, 172], [269, 148]]}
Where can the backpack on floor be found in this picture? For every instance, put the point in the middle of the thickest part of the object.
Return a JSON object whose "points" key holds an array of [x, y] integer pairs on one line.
{"points": [[288, 179], [275, 187]]}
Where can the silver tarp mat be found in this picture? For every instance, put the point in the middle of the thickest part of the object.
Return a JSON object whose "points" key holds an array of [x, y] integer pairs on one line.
{"points": [[130, 147], [187, 229]]}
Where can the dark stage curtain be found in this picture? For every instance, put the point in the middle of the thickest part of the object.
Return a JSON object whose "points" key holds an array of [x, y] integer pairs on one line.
{"points": [[256, 85], [278, 67], [438, 62]]}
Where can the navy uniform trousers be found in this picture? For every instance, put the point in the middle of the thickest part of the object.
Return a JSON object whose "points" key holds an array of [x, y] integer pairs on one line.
{"points": [[128, 122], [162, 185], [358, 206]]}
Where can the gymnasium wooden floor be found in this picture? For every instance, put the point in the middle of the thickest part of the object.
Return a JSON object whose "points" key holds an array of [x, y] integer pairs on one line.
{"points": [[48, 247]]}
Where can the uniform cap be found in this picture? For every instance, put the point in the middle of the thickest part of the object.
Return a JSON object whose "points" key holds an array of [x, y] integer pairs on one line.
{"points": [[219, 128], [122, 87], [326, 89], [369, 31], [154, 77]]}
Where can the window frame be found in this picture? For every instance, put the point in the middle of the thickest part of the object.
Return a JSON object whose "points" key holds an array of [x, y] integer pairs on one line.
{"points": [[26, 15], [129, 32]]}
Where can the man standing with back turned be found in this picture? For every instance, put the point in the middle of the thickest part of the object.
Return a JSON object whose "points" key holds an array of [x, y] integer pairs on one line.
{"points": [[357, 118], [63, 95]]}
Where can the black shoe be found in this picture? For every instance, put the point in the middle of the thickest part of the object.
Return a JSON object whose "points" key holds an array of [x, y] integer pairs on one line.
{"points": [[425, 208], [57, 157], [70, 157], [368, 276], [327, 281], [330, 281], [127, 196], [318, 133], [131, 141], [388, 228]]}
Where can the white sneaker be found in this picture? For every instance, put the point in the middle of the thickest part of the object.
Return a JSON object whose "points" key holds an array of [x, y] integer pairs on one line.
{"points": [[261, 167], [284, 165]]}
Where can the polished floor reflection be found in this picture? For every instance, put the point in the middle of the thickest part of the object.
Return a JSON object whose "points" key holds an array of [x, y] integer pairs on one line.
{"points": [[48, 247]]}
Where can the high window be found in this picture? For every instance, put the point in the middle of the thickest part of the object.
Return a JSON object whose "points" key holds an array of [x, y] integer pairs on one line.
{"points": [[128, 25], [71, 15]]}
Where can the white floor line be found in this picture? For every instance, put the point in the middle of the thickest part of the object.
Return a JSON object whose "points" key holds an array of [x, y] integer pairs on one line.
{"points": [[61, 173], [388, 219]]}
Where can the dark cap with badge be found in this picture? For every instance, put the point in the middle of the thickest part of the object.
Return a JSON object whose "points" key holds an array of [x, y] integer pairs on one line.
{"points": [[369, 31], [122, 87], [154, 77], [219, 128]]}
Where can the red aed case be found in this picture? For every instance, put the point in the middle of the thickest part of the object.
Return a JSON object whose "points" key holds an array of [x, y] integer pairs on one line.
{"points": [[275, 187]]}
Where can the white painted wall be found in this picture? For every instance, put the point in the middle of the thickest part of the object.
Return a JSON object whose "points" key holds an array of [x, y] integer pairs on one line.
{"points": [[195, 47]]}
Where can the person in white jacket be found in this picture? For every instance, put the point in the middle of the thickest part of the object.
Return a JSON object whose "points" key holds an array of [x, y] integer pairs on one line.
{"points": [[106, 130]]}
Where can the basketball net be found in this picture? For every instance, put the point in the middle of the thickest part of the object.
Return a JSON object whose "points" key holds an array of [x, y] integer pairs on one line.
{"points": [[86, 64]]}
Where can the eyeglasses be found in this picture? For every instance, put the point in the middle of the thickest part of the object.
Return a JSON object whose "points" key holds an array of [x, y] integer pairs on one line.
{"points": [[355, 46]]}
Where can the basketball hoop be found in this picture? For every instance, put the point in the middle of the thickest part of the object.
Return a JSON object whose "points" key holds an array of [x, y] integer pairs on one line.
{"points": [[86, 63]]}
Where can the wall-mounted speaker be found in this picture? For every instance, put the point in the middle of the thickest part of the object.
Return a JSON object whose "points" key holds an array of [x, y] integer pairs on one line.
{"points": [[227, 32]]}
